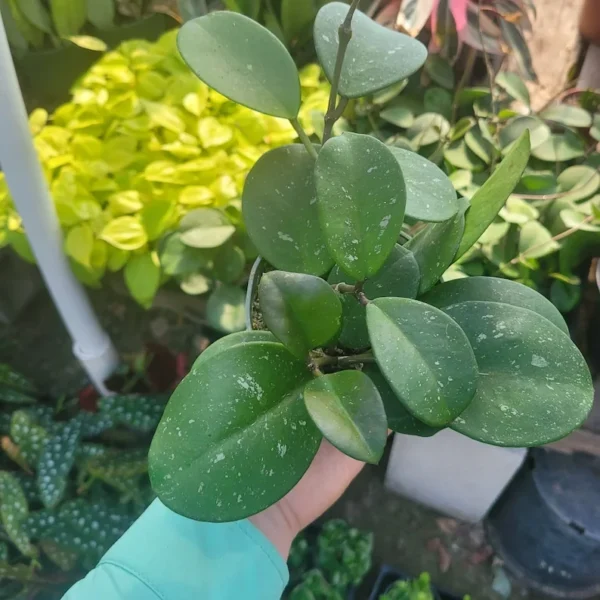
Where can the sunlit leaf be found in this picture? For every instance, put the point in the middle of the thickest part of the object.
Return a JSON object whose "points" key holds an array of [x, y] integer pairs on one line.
{"points": [[225, 309]]}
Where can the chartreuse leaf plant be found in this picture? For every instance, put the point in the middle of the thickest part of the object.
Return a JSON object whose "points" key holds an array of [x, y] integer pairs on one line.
{"points": [[355, 333]]}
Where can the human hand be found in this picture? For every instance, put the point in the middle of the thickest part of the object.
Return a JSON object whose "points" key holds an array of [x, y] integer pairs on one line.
{"points": [[327, 478]]}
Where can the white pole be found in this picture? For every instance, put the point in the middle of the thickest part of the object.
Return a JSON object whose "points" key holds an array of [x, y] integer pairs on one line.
{"points": [[25, 178]]}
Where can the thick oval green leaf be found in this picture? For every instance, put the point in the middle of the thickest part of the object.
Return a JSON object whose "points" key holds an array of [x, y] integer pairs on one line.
{"points": [[560, 147], [460, 156], [235, 436], [376, 57], [399, 278], [428, 128], [581, 181], [398, 115], [539, 132], [231, 340], [430, 195], [347, 409], [361, 198], [494, 289], [435, 247], [425, 356], [480, 145], [398, 418], [517, 211], [536, 241], [514, 86], [440, 70], [243, 61], [438, 100], [302, 311], [225, 309], [205, 228], [575, 219], [280, 211], [534, 385], [571, 116], [491, 196]]}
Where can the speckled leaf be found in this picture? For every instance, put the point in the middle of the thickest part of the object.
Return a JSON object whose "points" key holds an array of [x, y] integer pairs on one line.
{"points": [[430, 195], [235, 436], [138, 412], [93, 424], [376, 57], [399, 277], [398, 417], [280, 211], [361, 198], [491, 196], [13, 512], [494, 289], [436, 377], [243, 61], [534, 385], [119, 469], [347, 409], [13, 379], [302, 311], [9, 395], [62, 558], [55, 463], [28, 435], [225, 309], [231, 340], [84, 526], [435, 246]]}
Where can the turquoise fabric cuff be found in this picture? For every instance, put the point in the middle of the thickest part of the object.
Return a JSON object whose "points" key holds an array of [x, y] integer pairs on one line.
{"points": [[170, 557]]}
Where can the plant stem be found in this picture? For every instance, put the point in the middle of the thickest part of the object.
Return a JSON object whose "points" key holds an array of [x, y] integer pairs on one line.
{"points": [[304, 138], [556, 238], [343, 361], [344, 288], [344, 37]]}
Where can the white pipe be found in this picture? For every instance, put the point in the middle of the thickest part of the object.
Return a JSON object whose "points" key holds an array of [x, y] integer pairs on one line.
{"points": [[27, 184]]}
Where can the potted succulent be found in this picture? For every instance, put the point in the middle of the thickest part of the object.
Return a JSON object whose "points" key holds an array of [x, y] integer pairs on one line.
{"points": [[358, 335]]}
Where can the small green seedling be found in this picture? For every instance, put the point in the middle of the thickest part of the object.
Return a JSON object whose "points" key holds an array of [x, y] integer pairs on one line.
{"points": [[360, 335]]}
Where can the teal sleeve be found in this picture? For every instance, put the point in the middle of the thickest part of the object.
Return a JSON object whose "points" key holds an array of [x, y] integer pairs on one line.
{"points": [[164, 556]]}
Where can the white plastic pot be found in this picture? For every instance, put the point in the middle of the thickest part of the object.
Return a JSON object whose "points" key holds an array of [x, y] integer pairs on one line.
{"points": [[451, 473]]}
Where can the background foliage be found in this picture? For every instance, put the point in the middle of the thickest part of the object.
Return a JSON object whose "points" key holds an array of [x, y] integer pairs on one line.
{"points": [[142, 144]]}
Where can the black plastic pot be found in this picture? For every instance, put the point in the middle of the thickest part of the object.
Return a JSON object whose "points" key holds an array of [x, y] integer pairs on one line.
{"points": [[46, 77], [546, 524], [389, 575]]}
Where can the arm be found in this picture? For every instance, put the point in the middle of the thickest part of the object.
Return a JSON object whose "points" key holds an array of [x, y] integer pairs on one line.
{"points": [[164, 556]]}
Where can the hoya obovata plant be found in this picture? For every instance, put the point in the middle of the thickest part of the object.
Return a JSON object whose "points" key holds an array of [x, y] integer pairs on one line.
{"points": [[359, 334]]}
